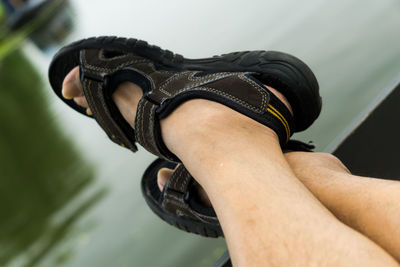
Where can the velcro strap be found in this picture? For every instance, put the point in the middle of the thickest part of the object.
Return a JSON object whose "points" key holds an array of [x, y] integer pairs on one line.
{"points": [[239, 91], [147, 127], [106, 113], [175, 192], [234, 89], [94, 67]]}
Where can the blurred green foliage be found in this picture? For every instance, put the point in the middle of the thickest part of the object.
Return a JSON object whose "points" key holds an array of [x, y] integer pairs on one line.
{"points": [[40, 171], [2, 13]]}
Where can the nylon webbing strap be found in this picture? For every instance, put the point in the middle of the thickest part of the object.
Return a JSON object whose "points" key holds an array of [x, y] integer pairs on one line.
{"points": [[282, 121]]}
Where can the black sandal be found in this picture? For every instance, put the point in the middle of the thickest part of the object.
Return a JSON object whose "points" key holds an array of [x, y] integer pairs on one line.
{"points": [[168, 80]]}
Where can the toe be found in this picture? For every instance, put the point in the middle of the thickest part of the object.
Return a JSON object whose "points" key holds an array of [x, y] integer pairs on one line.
{"points": [[163, 176], [81, 101], [72, 86]]}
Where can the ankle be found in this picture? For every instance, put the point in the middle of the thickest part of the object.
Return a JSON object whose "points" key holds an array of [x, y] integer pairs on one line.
{"points": [[200, 125]]}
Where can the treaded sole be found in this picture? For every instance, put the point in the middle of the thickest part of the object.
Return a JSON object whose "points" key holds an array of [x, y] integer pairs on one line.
{"points": [[287, 73], [186, 224]]}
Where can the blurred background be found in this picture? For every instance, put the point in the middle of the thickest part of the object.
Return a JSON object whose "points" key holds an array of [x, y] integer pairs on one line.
{"points": [[69, 197]]}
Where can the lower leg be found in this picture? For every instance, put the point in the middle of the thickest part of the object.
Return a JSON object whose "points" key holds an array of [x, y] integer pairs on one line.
{"points": [[268, 216], [368, 205]]}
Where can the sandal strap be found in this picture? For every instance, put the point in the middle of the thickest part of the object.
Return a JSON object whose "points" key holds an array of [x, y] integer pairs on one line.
{"points": [[236, 90], [94, 69], [107, 116], [147, 128], [175, 196], [165, 90]]}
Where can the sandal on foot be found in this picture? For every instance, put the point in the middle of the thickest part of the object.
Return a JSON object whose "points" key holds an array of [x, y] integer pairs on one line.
{"points": [[179, 203], [169, 79]]}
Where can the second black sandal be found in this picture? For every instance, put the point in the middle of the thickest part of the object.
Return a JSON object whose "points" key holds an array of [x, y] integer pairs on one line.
{"points": [[179, 204]]}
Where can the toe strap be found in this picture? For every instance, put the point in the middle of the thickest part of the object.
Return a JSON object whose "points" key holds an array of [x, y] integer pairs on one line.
{"points": [[176, 196], [148, 132], [107, 114], [95, 71]]}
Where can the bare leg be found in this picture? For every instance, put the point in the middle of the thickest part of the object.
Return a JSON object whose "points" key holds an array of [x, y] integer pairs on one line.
{"points": [[368, 205], [269, 218], [267, 215]]}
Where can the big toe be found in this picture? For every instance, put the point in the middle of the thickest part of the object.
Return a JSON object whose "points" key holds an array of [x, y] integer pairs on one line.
{"points": [[163, 176], [72, 86]]}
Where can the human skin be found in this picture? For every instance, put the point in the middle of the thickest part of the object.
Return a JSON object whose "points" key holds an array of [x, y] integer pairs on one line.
{"points": [[366, 204], [268, 216], [369, 205]]}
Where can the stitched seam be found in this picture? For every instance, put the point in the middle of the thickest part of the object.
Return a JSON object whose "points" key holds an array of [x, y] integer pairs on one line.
{"points": [[95, 68], [231, 97], [169, 80], [151, 130], [115, 125], [94, 107], [137, 121], [219, 76], [208, 76], [257, 87], [115, 129], [142, 125], [140, 118], [190, 77]]}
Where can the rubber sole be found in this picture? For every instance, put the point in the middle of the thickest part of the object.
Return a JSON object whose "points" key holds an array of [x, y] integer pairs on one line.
{"points": [[151, 194], [286, 73]]}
